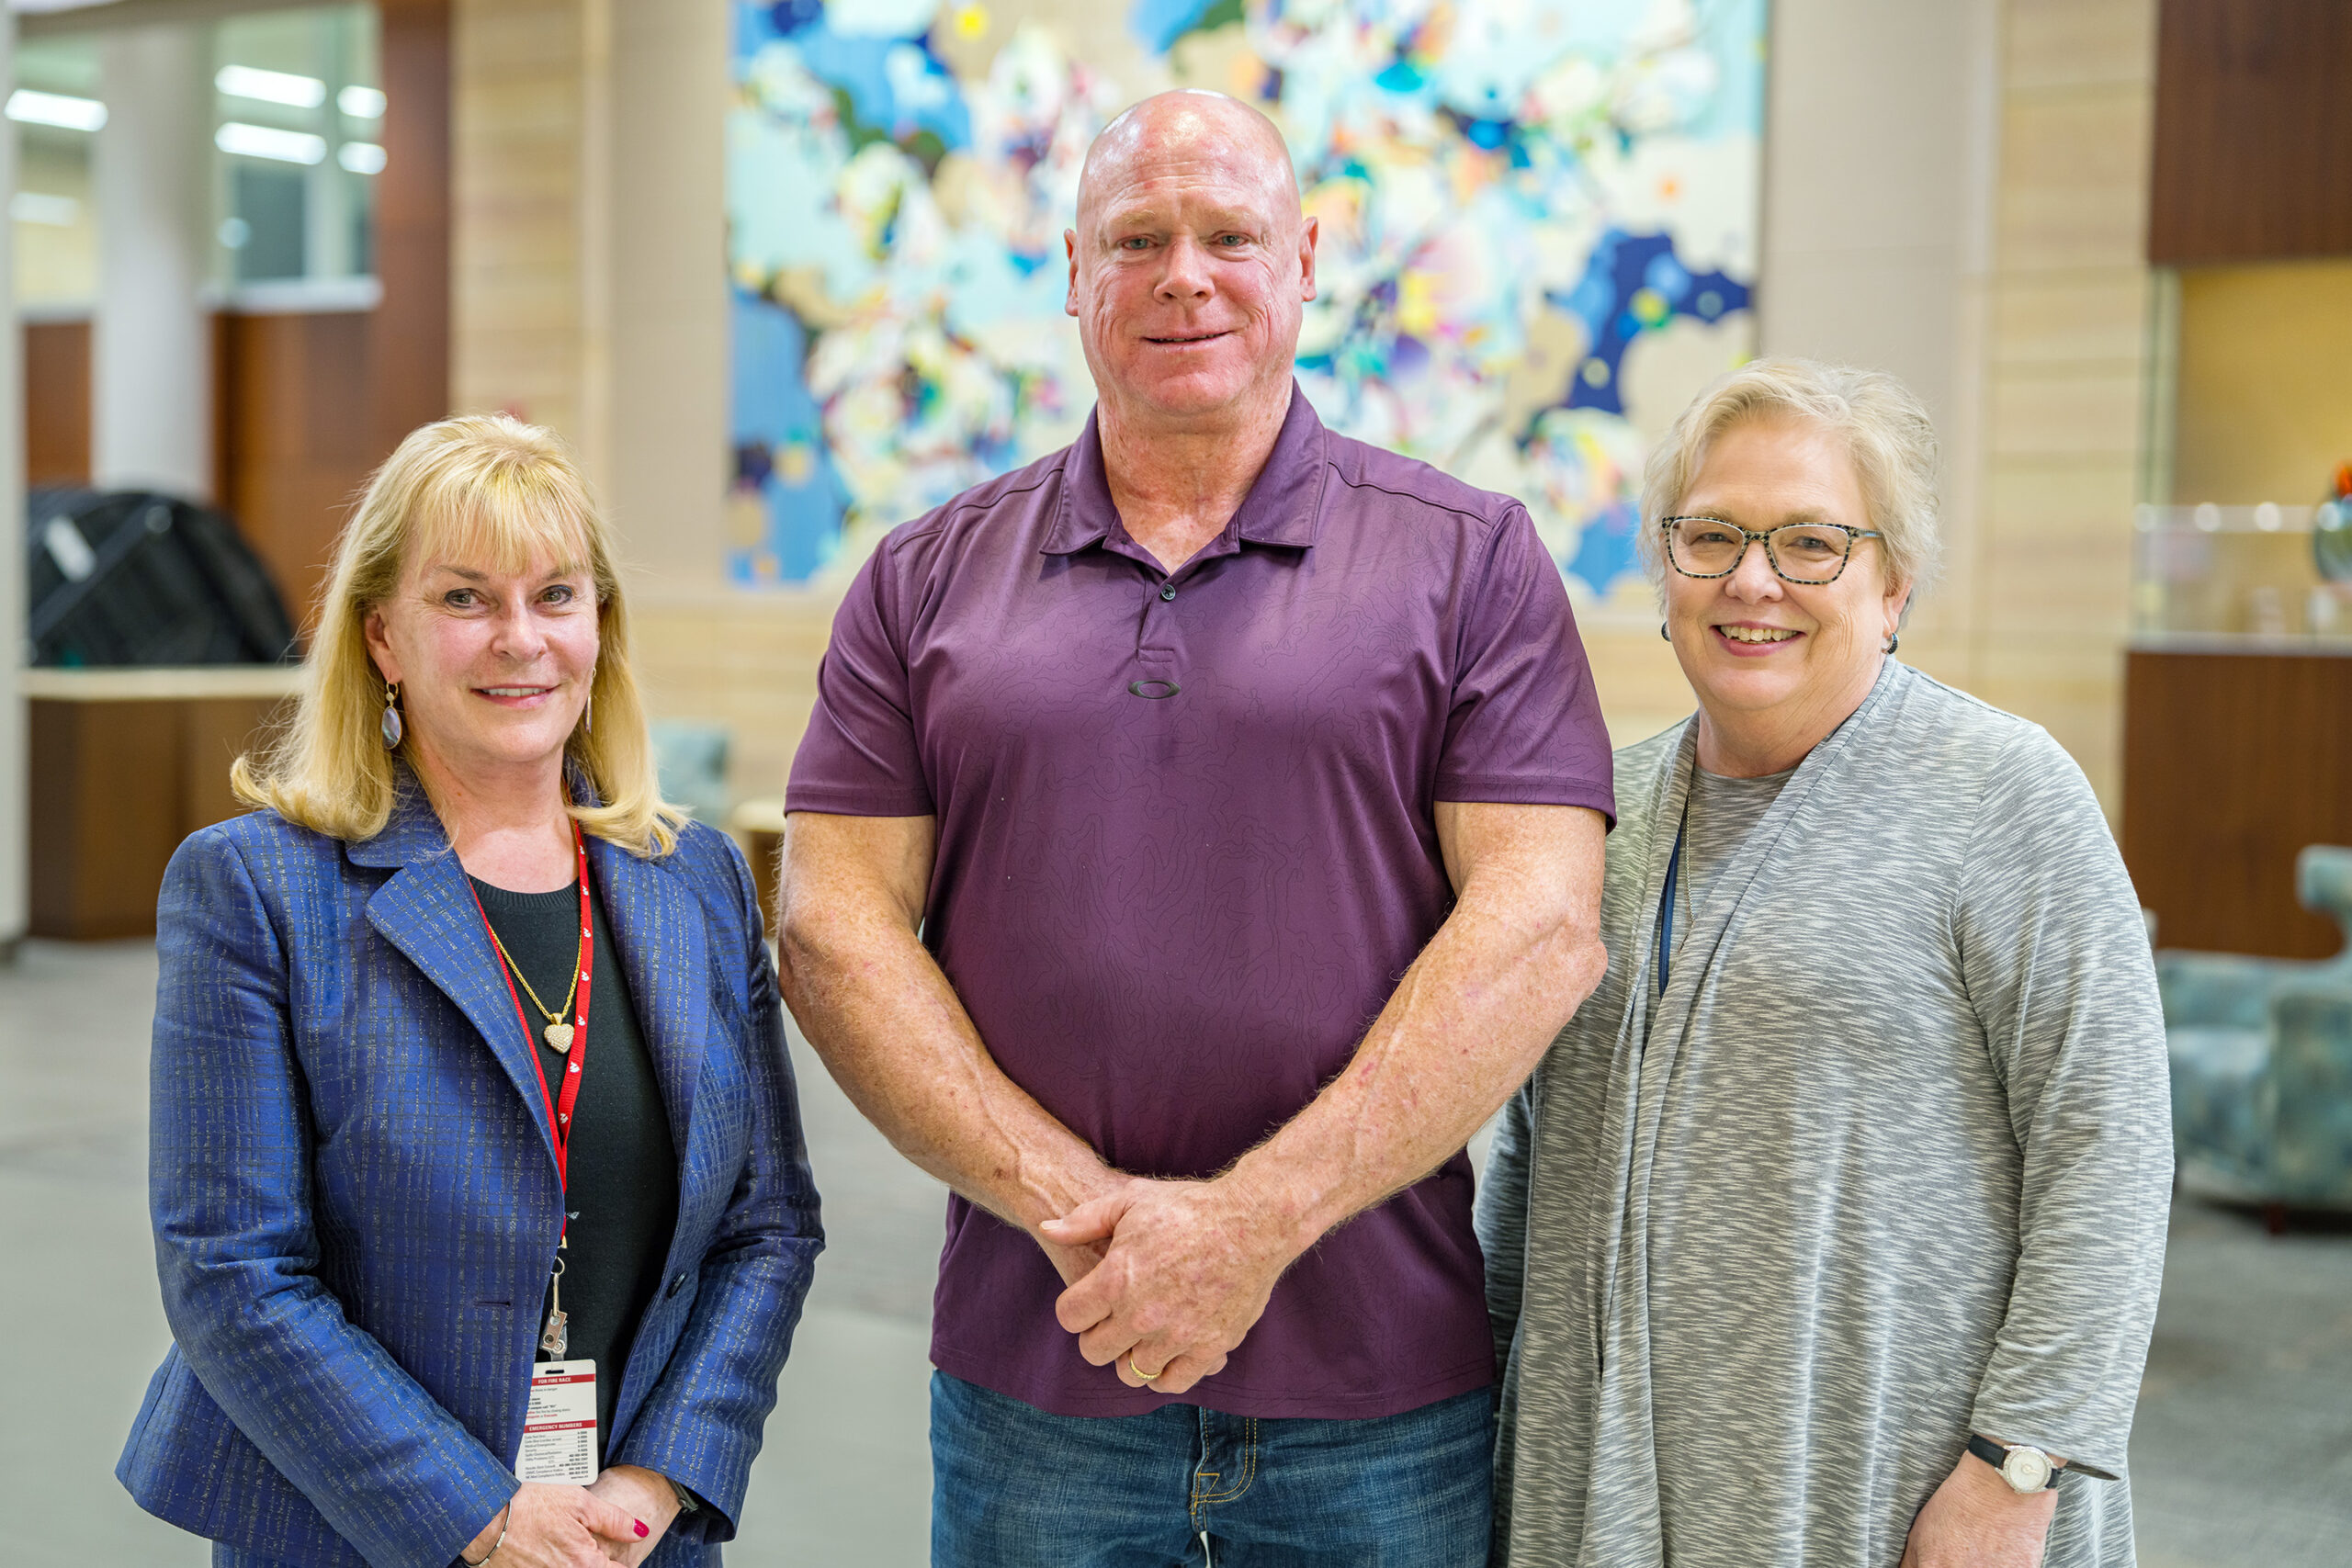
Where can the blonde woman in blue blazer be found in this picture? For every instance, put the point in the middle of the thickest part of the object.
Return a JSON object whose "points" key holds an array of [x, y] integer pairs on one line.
{"points": [[480, 1198]]}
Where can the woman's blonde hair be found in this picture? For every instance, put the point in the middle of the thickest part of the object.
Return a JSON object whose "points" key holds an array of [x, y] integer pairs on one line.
{"points": [[1885, 429], [485, 489]]}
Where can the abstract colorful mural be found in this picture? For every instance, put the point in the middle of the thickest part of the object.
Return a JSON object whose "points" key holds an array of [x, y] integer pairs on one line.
{"points": [[1538, 222]]}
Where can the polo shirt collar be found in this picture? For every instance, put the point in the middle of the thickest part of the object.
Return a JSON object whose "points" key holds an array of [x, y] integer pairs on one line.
{"points": [[1285, 507]]}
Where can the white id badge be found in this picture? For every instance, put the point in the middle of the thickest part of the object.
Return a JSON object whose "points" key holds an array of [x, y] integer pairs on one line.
{"points": [[559, 1429]]}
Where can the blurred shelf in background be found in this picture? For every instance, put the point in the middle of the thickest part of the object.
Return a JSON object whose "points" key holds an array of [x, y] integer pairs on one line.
{"points": [[2237, 752], [125, 765]]}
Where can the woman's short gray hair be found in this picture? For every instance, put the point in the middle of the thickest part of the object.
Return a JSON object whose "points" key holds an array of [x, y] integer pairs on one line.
{"points": [[1885, 428]]}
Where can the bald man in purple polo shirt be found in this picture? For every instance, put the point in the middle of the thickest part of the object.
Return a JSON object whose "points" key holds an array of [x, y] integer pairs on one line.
{"points": [[1197, 836]]}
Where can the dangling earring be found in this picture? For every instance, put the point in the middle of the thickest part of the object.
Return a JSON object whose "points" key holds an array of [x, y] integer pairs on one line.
{"points": [[1893, 641], [1664, 633], [588, 717], [391, 728]]}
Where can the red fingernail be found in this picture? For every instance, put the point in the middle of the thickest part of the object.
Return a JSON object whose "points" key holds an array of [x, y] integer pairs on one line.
{"points": [[641, 1530]]}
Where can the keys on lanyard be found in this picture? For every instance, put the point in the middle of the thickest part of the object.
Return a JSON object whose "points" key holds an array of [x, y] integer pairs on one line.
{"points": [[555, 1336]]}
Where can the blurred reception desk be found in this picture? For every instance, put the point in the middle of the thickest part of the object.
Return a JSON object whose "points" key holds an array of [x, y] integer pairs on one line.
{"points": [[125, 765], [2237, 752]]}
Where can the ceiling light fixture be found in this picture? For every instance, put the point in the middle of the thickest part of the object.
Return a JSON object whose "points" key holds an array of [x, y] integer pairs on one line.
{"points": [[266, 142], [29, 108], [271, 86]]}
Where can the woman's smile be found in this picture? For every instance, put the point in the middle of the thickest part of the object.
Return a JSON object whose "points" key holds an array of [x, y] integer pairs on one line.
{"points": [[1754, 640]]}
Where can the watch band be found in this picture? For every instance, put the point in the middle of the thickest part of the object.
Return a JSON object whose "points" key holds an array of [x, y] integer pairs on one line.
{"points": [[1997, 1456]]}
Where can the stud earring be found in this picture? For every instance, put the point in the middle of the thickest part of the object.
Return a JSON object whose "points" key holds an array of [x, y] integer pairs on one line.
{"points": [[1893, 641], [390, 727]]}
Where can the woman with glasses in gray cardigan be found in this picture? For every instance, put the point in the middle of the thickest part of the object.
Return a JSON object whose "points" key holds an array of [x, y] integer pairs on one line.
{"points": [[1830, 1230]]}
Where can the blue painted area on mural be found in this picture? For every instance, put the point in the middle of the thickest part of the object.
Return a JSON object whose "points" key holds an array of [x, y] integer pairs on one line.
{"points": [[789, 17], [895, 84], [1607, 547], [1634, 284], [779, 441], [1159, 23], [758, 25]]}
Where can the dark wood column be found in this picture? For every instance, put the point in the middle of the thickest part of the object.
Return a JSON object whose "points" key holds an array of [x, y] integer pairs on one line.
{"points": [[409, 356]]}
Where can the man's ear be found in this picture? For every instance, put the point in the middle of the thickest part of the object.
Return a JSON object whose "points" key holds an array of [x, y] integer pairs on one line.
{"points": [[1308, 233], [1070, 245]]}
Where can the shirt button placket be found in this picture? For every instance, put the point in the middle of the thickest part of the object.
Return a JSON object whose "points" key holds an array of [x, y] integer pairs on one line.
{"points": [[1155, 639]]}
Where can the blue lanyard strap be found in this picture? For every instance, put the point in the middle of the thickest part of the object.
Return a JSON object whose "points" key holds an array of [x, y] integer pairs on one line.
{"points": [[1666, 909]]}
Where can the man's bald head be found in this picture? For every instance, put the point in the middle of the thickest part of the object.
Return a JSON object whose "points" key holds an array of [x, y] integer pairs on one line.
{"points": [[1190, 265], [1189, 126]]}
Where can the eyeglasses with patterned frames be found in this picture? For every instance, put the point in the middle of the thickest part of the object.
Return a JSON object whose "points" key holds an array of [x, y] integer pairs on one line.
{"points": [[1808, 554]]}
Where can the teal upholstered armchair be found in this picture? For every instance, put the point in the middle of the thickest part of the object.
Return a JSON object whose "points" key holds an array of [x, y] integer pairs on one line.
{"points": [[2262, 1059]]}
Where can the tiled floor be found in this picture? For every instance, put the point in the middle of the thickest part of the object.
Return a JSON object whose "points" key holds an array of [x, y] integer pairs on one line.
{"points": [[2243, 1456]]}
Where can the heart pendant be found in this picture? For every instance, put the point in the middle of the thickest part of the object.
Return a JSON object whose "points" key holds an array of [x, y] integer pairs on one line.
{"points": [[559, 1036]]}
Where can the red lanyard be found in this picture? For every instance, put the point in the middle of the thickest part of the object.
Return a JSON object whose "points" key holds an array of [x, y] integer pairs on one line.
{"points": [[560, 1105]]}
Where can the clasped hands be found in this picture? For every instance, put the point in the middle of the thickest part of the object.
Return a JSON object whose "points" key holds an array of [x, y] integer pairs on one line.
{"points": [[1166, 1278], [618, 1518]]}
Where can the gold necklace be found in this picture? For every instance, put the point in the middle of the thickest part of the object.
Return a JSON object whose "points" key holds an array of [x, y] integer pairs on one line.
{"points": [[558, 1032]]}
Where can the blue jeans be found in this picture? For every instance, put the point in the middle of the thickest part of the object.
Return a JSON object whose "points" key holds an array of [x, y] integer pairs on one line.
{"points": [[1013, 1487]]}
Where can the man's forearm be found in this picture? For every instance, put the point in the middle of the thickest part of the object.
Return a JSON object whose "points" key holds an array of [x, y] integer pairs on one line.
{"points": [[895, 1036], [1469, 1021]]}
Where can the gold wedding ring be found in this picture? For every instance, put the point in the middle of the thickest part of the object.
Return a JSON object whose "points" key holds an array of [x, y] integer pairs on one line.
{"points": [[1138, 1371]]}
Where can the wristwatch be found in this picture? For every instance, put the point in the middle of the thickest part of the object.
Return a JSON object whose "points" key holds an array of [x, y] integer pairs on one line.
{"points": [[2023, 1466]]}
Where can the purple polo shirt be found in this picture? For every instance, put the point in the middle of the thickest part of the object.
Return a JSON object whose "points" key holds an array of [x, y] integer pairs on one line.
{"points": [[1186, 849]]}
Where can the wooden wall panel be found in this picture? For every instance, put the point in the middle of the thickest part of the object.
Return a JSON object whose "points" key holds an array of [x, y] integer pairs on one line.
{"points": [[2233, 763], [2254, 132], [296, 405], [116, 786], [57, 402], [408, 353]]}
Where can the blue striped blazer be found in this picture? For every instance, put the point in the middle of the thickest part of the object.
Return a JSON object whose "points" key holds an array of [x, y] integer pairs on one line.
{"points": [[356, 1202]]}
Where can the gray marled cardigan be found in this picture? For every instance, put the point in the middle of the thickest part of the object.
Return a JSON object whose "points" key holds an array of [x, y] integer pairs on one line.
{"points": [[1894, 1166]]}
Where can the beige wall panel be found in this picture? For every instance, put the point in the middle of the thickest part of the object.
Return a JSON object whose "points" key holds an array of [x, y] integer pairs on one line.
{"points": [[2066, 411], [1893, 311], [517, 337], [1865, 236], [2265, 404], [1939, 655], [2041, 587], [2073, 179], [669, 468], [746, 661], [525, 103], [525, 38], [2080, 43], [2100, 314], [2067, 362], [1641, 686], [1900, 71], [528, 293], [2028, 500]]}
